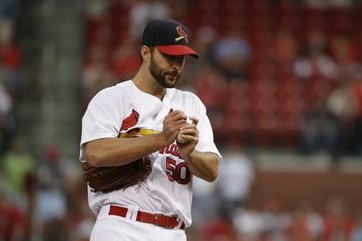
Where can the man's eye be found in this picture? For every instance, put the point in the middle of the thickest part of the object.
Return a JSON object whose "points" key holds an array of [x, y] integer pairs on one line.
{"points": [[178, 58], [174, 58]]}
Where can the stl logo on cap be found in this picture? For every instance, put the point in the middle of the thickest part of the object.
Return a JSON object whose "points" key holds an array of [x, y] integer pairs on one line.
{"points": [[182, 34]]}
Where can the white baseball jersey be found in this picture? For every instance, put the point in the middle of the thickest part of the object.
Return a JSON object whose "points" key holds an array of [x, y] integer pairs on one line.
{"points": [[123, 107]]}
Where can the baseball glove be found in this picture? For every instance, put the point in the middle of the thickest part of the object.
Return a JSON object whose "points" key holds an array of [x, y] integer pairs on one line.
{"points": [[107, 179]]}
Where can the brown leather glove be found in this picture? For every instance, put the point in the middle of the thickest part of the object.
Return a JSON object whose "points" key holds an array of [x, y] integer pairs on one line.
{"points": [[107, 179]]}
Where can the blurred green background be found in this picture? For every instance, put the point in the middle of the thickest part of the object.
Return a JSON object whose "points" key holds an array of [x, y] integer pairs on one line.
{"points": [[282, 82]]}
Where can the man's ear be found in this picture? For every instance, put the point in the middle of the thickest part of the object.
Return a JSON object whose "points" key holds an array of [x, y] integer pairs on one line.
{"points": [[146, 53]]}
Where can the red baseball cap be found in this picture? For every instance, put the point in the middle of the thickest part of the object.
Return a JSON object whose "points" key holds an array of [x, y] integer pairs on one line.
{"points": [[168, 36]]}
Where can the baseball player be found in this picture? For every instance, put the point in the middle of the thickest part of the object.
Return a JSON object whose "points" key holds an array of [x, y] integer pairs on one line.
{"points": [[174, 133]]}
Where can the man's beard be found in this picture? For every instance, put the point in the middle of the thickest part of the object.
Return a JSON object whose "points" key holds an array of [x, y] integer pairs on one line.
{"points": [[160, 77]]}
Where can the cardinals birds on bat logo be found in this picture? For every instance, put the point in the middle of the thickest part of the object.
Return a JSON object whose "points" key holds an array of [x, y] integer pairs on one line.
{"points": [[131, 120], [182, 34]]}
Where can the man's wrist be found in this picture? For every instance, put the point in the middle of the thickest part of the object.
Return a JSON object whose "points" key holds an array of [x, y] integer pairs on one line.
{"points": [[160, 140], [187, 158]]}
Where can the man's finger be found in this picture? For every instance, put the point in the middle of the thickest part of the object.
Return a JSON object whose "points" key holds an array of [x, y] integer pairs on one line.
{"points": [[188, 126], [194, 120], [189, 138], [190, 131], [176, 114]]}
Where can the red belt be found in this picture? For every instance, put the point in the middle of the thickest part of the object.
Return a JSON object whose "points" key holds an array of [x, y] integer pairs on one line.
{"points": [[156, 219]]}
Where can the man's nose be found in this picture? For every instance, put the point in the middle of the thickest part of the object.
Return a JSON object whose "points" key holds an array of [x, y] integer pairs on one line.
{"points": [[176, 67]]}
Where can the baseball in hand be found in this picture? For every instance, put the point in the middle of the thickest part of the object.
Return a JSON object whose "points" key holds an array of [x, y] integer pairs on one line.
{"points": [[180, 139]]}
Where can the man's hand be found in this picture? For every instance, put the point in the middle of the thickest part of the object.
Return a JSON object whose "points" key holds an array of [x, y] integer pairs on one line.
{"points": [[187, 138], [201, 164], [172, 125]]}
